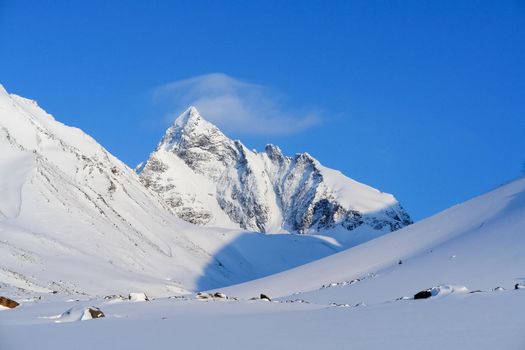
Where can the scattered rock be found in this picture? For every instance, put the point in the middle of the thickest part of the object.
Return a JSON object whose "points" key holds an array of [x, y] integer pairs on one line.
{"points": [[497, 289], [113, 297], [8, 303], [400, 262], [264, 297], [336, 284], [138, 297], [220, 295], [441, 291], [203, 296], [79, 313], [95, 312], [339, 305], [519, 286], [299, 301], [424, 294]]}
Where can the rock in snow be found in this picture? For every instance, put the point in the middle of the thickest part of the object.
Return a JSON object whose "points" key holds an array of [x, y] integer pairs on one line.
{"points": [[264, 297], [8, 303], [207, 178], [424, 294], [79, 313]]}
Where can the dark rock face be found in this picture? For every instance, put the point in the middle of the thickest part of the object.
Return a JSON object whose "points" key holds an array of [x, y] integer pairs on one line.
{"points": [[424, 294], [9, 303]]}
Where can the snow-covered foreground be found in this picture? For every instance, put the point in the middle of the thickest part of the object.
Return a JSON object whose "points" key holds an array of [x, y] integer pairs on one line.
{"points": [[492, 320], [469, 260]]}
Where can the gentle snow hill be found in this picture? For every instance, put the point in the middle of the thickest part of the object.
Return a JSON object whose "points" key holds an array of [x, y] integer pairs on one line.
{"points": [[479, 244], [76, 220], [208, 179]]}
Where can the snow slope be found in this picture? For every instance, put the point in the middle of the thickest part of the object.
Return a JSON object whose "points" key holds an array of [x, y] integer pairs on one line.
{"points": [[209, 179], [478, 244], [76, 220], [470, 258]]}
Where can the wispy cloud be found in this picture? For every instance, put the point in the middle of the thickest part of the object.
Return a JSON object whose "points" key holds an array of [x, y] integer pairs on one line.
{"points": [[234, 105]]}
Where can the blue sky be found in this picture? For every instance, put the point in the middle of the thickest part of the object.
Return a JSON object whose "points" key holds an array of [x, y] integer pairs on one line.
{"points": [[423, 99]]}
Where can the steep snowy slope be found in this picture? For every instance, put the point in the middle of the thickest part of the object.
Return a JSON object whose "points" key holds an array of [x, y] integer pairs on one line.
{"points": [[206, 178], [72, 214], [74, 219], [478, 244]]}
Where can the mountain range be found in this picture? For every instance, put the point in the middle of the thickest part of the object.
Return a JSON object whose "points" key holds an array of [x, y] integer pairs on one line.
{"points": [[73, 216]]}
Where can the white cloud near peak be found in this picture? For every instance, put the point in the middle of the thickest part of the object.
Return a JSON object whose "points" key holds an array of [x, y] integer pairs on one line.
{"points": [[234, 105]]}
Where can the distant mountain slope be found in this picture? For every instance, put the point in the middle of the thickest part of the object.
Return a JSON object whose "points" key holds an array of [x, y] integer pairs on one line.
{"points": [[206, 178], [478, 244]]}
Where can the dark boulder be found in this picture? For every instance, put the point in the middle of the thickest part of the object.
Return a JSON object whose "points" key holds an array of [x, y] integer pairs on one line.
{"points": [[519, 286], [9, 303], [265, 297], [424, 294], [95, 312]]}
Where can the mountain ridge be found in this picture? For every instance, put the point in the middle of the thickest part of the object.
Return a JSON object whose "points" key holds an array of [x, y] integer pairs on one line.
{"points": [[262, 191], [76, 220]]}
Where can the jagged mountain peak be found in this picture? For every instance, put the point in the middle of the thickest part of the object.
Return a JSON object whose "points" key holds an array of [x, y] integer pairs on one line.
{"points": [[210, 179], [188, 117], [190, 128]]}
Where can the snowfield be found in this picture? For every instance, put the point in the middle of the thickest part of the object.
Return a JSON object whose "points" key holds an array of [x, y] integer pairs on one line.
{"points": [[96, 260], [469, 258]]}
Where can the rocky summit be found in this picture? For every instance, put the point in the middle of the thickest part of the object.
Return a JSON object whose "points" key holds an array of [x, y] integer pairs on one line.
{"points": [[208, 179]]}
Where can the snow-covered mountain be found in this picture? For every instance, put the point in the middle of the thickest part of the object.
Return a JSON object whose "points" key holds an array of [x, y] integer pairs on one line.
{"points": [[209, 179], [71, 213], [75, 219]]}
